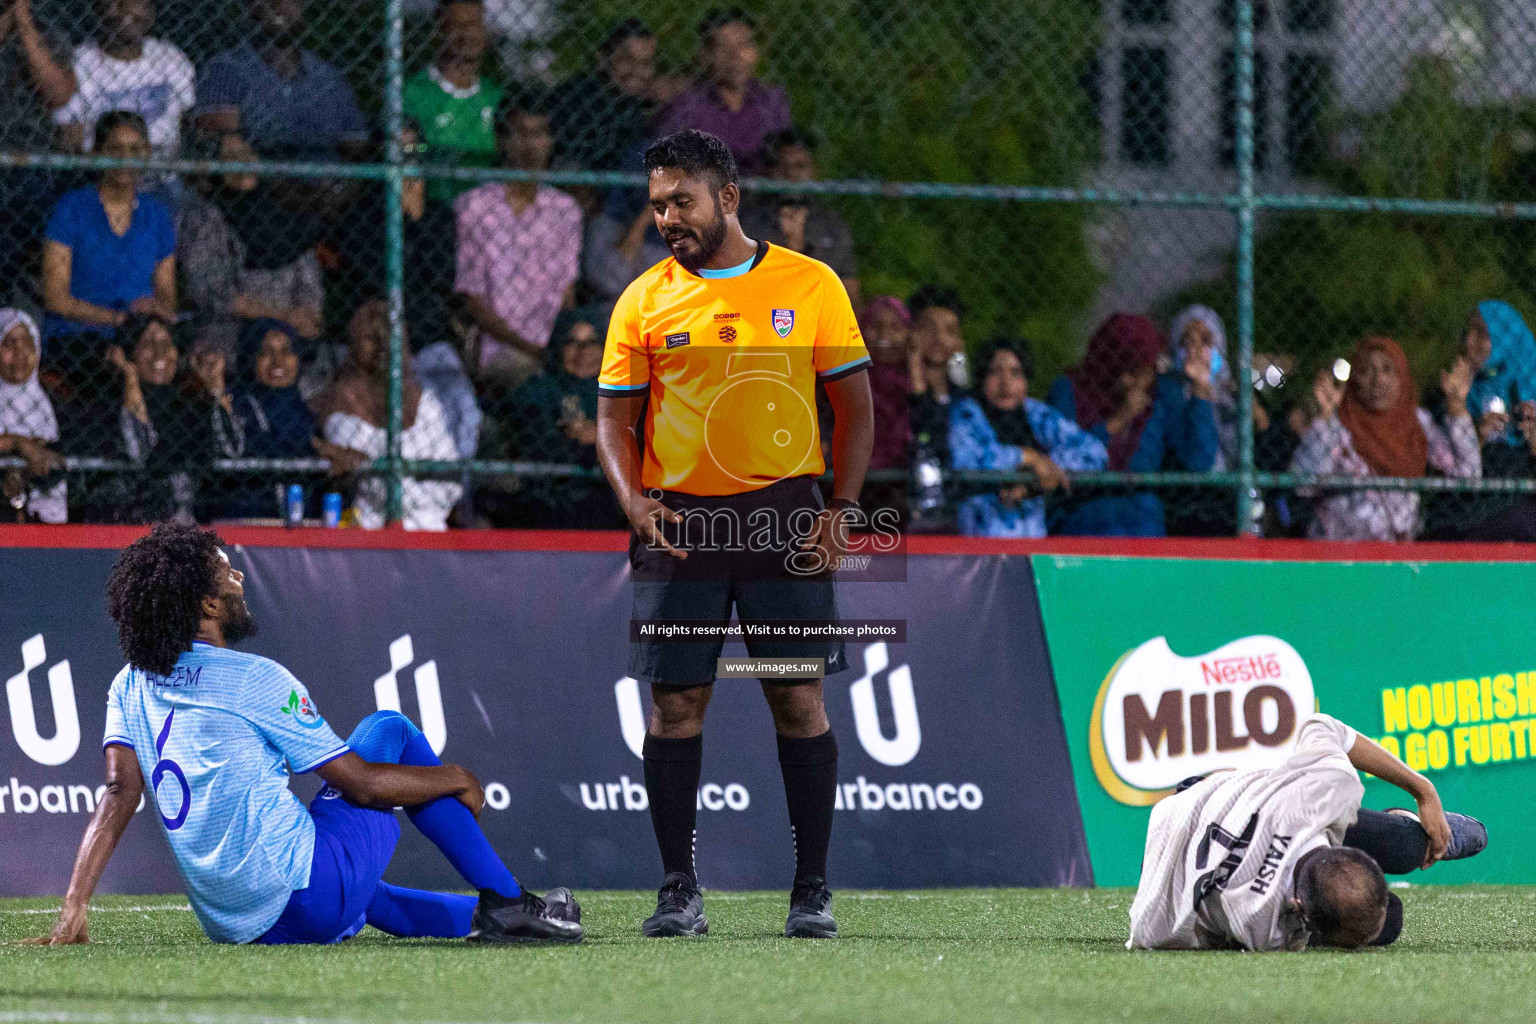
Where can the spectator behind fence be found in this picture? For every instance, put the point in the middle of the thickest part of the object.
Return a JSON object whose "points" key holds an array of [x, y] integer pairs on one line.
{"points": [[730, 101], [126, 69], [621, 243], [245, 254], [35, 492], [797, 221], [886, 324], [519, 251], [934, 341], [109, 250], [1199, 371], [603, 117], [273, 419], [1146, 423], [353, 412], [1373, 427], [36, 78], [428, 252], [283, 98], [1502, 352], [1502, 401], [1008, 430], [452, 102], [553, 418], [160, 428]]}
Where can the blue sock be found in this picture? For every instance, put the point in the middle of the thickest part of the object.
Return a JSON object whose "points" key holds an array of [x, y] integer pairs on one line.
{"points": [[388, 737], [414, 914], [455, 831]]}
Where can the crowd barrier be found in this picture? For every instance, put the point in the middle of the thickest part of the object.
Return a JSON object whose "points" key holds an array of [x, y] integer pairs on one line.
{"points": [[1047, 693]]}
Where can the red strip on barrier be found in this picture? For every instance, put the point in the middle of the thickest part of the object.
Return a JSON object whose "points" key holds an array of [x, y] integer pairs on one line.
{"points": [[1222, 548]]}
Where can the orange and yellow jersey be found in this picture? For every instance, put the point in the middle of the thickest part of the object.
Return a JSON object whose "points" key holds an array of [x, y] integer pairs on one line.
{"points": [[730, 360]]}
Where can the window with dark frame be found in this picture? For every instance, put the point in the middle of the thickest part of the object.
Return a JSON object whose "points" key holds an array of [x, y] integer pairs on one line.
{"points": [[1144, 100]]}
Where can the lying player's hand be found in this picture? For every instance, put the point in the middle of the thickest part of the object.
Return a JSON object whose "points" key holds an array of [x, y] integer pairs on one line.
{"points": [[472, 795], [645, 515], [69, 930], [1432, 817]]}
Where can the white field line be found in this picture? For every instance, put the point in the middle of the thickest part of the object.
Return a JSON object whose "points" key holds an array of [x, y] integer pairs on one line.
{"points": [[172, 1017], [589, 897], [105, 910]]}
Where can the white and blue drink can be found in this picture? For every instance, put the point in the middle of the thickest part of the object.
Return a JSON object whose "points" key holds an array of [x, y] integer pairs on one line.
{"points": [[293, 505], [331, 514]]}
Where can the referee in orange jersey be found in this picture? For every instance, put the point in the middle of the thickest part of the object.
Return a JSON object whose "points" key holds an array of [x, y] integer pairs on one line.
{"points": [[722, 346]]}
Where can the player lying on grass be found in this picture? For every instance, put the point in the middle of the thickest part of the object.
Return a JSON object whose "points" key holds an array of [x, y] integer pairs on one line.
{"points": [[1284, 858], [217, 733]]}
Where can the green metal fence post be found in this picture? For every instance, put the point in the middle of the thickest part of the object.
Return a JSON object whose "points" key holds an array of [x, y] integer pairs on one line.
{"points": [[1247, 495], [394, 240]]}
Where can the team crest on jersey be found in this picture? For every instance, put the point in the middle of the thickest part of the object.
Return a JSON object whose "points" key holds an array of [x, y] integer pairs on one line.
{"points": [[677, 340], [303, 711], [783, 321]]}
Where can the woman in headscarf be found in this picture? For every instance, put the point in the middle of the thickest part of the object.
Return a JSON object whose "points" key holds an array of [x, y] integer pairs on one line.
{"points": [[1008, 430], [1199, 374], [1146, 424], [36, 491], [353, 412], [1373, 427], [553, 418], [271, 418], [244, 255], [1502, 352]]}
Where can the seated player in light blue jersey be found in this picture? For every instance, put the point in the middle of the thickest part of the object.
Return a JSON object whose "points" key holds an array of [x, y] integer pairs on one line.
{"points": [[218, 733]]}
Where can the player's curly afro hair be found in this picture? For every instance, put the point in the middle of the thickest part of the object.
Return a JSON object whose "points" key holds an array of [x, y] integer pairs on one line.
{"points": [[156, 591]]}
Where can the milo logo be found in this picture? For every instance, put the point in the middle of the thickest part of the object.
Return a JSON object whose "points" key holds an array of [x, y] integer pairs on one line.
{"points": [[1160, 718]]}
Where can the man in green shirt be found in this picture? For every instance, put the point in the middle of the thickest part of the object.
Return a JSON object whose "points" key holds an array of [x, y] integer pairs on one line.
{"points": [[452, 101]]}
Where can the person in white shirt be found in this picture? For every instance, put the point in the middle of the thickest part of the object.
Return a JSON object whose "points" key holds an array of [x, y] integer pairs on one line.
{"points": [[1283, 858], [124, 69]]}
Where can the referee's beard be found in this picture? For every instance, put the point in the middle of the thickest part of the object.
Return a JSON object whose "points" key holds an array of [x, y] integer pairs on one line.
{"points": [[695, 247]]}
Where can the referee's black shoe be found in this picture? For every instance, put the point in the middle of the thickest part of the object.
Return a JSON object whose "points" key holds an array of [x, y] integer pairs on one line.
{"points": [[679, 910], [810, 911], [523, 919]]}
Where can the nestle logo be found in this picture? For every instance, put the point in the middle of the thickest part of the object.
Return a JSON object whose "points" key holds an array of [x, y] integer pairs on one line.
{"points": [[727, 316], [1241, 670], [727, 334], [675, 340]]}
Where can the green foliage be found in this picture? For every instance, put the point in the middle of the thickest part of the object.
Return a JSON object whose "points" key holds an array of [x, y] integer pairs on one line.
{"points": [[953, 91], [1325, 280]]}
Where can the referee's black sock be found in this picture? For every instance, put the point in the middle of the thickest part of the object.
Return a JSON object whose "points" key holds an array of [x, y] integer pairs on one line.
{"points": [[672, 782], [810, 787]]}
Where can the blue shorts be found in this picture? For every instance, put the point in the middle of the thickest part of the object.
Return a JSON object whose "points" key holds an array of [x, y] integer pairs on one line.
{"points": [[353, 846]]}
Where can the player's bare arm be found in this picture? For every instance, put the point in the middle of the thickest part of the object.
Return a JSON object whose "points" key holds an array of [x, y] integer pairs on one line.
{"points": [[618, 450], [125, 787], [1372, 758]]}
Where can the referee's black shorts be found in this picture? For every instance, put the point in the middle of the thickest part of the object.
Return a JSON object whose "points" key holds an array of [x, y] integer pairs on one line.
{"points": [[738, 547]]}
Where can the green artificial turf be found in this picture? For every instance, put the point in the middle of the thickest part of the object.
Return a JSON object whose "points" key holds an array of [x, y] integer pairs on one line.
{"points": [[969, 955]]}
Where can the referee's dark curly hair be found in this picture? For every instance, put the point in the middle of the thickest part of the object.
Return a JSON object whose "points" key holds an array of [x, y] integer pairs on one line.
{"points": [[156, 592]]}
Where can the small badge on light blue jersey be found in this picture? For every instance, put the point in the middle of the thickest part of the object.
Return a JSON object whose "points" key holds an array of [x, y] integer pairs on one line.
{"points": [[303, 711], [783, 322]]}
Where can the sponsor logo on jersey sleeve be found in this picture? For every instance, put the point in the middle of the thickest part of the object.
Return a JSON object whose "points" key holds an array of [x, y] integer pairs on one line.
{"points": [[303, 710]]}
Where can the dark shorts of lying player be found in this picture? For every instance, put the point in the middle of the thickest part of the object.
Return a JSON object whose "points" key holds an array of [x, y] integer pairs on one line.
{"points": [[218, 733], [1284, 858]]}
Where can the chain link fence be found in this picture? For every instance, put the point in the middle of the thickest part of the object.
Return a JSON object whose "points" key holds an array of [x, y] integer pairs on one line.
{"points": [[1226, 266]]}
